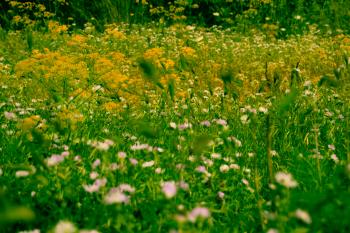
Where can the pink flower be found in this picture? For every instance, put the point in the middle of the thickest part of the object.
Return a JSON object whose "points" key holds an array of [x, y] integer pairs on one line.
{"points": [[96, 163], [54, 160], [148, 164], [169, 189], [205, 123], [133, 161], [95, 187], [121, 155], [221, 195], [93, 175], [201, 169], [198, 212], [183, 185], [221, 122], [303, 216], [286, 180], [22, 173], [116, 196], [10, 115], [126, 188], [65, 154]]}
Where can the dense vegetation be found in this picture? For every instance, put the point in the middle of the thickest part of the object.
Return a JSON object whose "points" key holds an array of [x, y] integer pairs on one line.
{"points": [[282, 16], [177, 116]]}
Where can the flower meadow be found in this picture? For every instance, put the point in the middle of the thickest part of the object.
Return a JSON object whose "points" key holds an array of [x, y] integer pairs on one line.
{"points": [[143, 128]]}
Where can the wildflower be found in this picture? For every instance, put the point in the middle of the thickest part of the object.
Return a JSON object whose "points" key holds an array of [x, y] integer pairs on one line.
{"points": [[224, 168], [245, 119], [138, 146], [96, 163], [65, 154], [198, 212], [245, 181], [201, 169], [116, 195], [286, 180], [216, 14], [331, 147], [10, 115], [148, 164], [221, 195], [173, 125], [183, 185], [237, 142], [93, 175], [235, 166], [169, 189], [335, 158], [64, 226], [102, 146], [153, 53], [216, 155], [273, 153], [184, 126], [121, 155], [263, 110], [95, 187], [303, 216], [158, 170], [133, 161], [54, 160], [188, 52], [113, 166], [205, 123], [126, 188], [221, 122], [22, 173]]}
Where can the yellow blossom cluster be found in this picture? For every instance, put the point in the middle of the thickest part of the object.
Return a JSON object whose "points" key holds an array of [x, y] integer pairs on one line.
{"points": [[114, 33], [188, 52], [32, 124], [68, 118], [55, 28]]}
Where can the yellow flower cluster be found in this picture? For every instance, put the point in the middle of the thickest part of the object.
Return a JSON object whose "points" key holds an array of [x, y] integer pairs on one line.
{"points": [[114, 33], [69, 118], [113, 79], [153, 53], [188, 52], [32, 124], [55, 28]]}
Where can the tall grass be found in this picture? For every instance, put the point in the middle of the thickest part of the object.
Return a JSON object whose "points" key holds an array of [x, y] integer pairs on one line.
{"points": [[285, 17]]}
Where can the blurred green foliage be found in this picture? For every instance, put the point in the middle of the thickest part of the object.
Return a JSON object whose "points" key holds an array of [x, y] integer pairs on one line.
{"points": [[276, 17]]}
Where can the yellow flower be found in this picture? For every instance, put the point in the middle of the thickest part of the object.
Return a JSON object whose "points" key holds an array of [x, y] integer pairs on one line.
{"points": [[17, 19], [111, 106], [68, 118], [168, 64], [29, 123], [188, 52], [114, 79], [76, 40], [153, 53], [118, 57], [103, 65], [115, 33]]}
